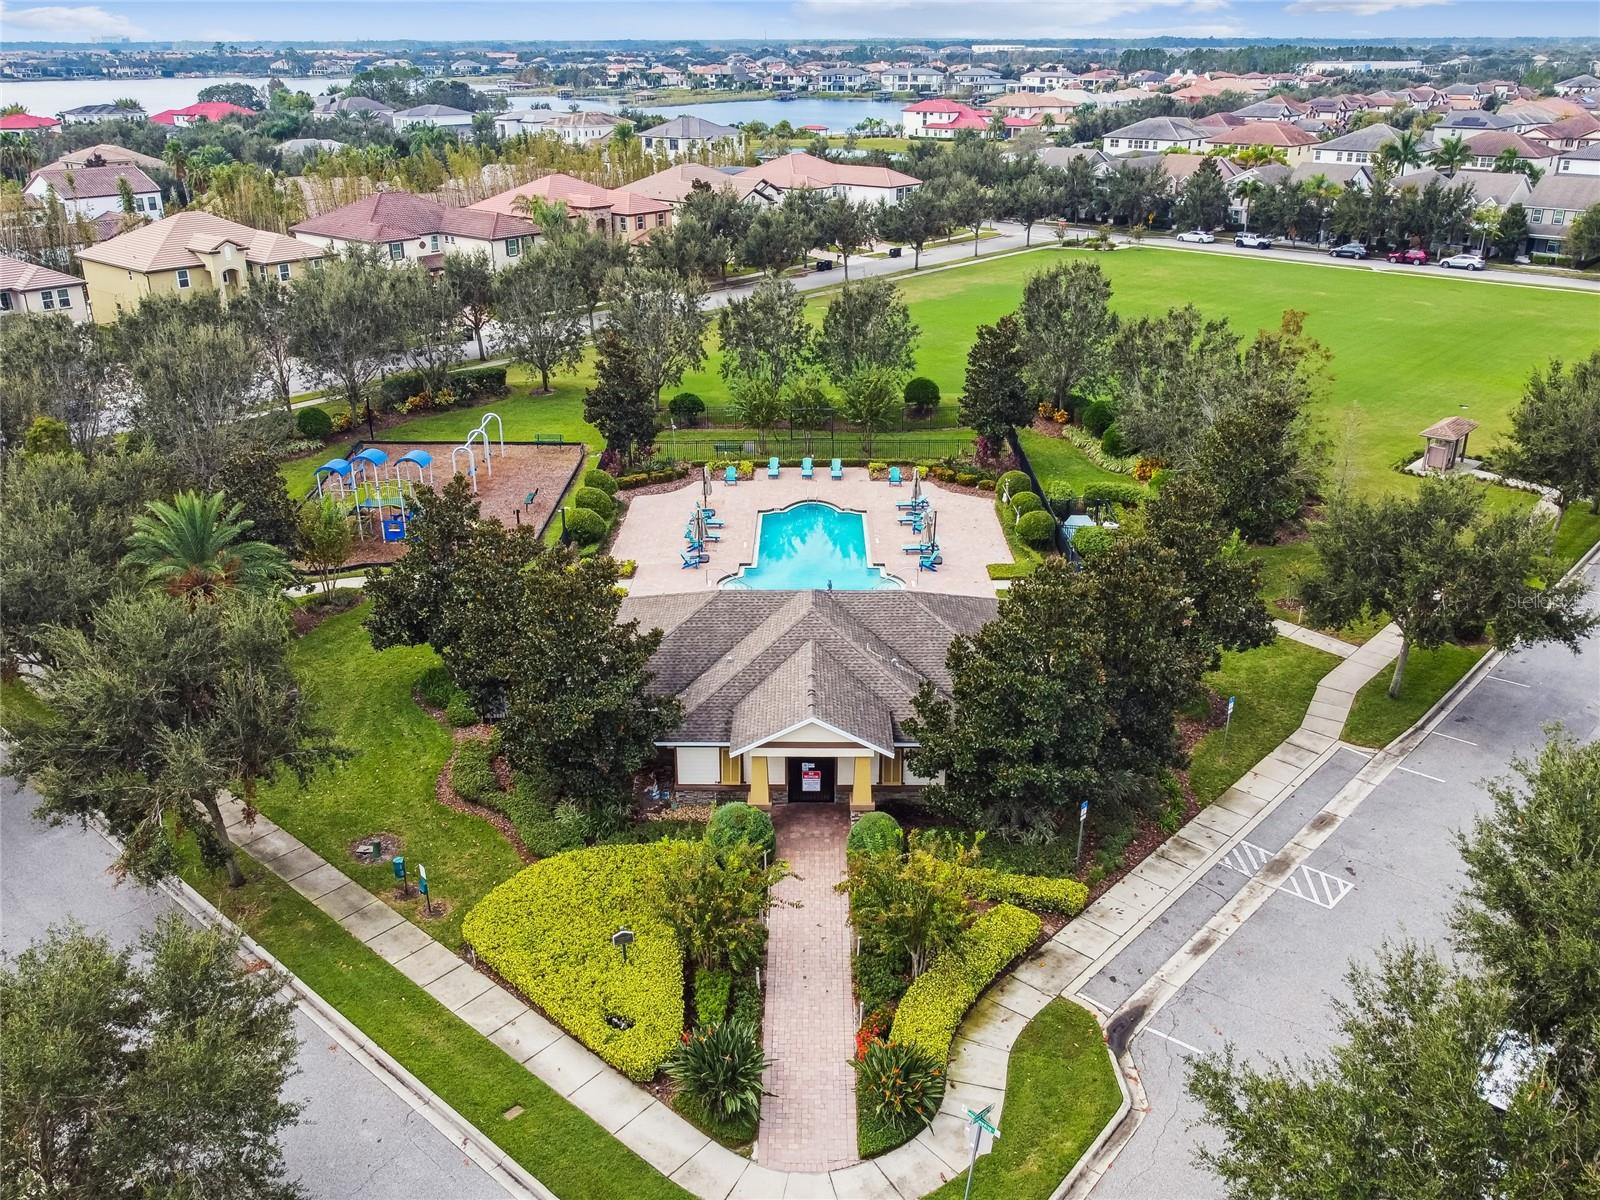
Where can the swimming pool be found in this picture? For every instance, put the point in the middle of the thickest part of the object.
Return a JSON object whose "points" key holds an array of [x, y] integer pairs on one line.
{"points": [[811, 545]]}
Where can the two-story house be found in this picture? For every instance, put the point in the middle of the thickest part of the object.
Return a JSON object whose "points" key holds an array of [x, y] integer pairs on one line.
{"points": [[1157, 133], [614, 212], [410, 228], [91, 192], [689, 136]]}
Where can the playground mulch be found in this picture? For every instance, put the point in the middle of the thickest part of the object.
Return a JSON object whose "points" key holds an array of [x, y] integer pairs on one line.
{"points": [[518, 470]]}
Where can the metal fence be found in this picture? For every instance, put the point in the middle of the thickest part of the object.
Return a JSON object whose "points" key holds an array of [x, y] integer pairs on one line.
{"points": [[708, 445]]}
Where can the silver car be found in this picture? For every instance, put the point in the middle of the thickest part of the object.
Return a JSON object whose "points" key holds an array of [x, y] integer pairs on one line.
{"points": [[1463, 262]]}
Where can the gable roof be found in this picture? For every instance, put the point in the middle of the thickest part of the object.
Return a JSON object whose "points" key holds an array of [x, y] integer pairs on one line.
{"points": [[82, 183], [1162, 129], [1498, 141], [113, 155], [424, 111], [25, 121], [19, 276], [179, 240], [1369, 138], [211, 110], [396, 216], [806, 171], [747, 665]]}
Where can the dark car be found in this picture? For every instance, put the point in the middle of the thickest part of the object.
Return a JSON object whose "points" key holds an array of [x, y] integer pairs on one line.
{"points": [[1413, 257], [1349, 250]]}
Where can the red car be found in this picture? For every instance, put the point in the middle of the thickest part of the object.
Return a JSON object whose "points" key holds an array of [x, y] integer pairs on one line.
{"points": [[1414, 257]]}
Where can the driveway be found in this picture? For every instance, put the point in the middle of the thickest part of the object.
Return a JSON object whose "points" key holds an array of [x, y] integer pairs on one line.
{"points": [[1390, 870], [356, 1140]]}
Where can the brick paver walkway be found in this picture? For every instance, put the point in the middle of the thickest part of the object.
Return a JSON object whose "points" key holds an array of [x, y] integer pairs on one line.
{"points": [[808, 1123]]}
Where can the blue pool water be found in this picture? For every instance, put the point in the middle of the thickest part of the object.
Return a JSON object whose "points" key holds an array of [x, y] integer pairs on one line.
{"points": [[810, 546]]}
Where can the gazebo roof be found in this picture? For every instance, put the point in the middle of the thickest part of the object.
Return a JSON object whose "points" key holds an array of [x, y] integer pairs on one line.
{"points": [[1450, 429]]}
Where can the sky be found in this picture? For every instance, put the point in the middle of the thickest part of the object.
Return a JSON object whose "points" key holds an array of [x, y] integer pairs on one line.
{"points": [[827, 20]]}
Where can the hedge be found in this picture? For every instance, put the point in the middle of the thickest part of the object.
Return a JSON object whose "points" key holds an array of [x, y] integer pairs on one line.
{"points": [[1036, 528], [547, 931], [711, 992], [596, 501], [641, 479], [738, 822], [479, 383], [1040, 892], [937, 999], [605, 481], [314, 423], [585, 526], [875, 831], [1092, 541], [1013, 482], [1128, 495]]}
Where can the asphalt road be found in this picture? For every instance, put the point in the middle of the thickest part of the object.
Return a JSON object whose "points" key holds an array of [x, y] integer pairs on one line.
{"points": [[1389, 871], [356, 1140]]}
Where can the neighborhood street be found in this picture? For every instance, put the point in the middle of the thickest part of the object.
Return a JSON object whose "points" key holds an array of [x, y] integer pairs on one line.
{"points": [[356, 1140], [1388, 871]]}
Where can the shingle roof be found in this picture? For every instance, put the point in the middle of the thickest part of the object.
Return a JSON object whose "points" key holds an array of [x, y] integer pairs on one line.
{"points": [[1451, 427], [395, 216], [1565, 191], [19, 276], [82, 183], [690, 127], [807, 171], [1368, 138], [1498, 141], [171, 242], [746, 665], [424, 111], [1164, 129]]}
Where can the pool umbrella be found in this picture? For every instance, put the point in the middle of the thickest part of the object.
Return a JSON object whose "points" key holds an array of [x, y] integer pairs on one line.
{"points": [[933, 530], [705, 481], [700, 526], [916, 486]]}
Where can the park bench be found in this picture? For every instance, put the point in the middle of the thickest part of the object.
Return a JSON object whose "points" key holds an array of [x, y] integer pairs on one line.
{"points": [[728, 447], [549, 439]]}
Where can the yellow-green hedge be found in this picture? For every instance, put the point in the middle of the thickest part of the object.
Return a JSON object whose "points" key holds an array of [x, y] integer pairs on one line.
{"points": [[1039, 892], [938, 998], [547, 930]]}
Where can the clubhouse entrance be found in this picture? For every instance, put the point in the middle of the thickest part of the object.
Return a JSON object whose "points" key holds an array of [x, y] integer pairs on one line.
{"points": [[812, 779]]}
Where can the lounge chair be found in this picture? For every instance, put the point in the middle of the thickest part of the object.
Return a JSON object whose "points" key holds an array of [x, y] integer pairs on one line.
{"points": [[929, 562], [836, 471], [911, 518], [692, 559], [917, 548], [894, 476], [806, 470], [772, 467], [713, 524], [731, 475], [694, 543], [918, 504]]}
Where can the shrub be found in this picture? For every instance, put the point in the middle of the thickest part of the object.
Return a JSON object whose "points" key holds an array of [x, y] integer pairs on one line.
{"points": [[1099, 416], [1113, 442], [459, 712], [902, 1085], [1059, 497], [1092, 541], [1013, 482], [1045, 893], [875, 831], [604, 481], [587, 527], [479, 383], [986, 485], [472, 774], [436, 687], [1036, 528], [922, 397], [712, 988], [1023, 503], [880, 978], [738, 822], [394, 390], [937, 1000], [686, 408], [719, 1069], [314, 423], [967, 479], [747, 1005], [342, 422], [1126, 494], [1158, 479], [547, 931], [877, 470], [595, 500]]}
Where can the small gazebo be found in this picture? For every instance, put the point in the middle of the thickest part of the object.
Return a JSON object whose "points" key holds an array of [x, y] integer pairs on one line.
{"points": [[1447, 443]]}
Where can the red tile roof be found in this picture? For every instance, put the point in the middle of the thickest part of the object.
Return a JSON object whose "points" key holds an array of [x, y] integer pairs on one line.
{"points": [[211, 110], [21, 121], [396, 216], [804, 171]]}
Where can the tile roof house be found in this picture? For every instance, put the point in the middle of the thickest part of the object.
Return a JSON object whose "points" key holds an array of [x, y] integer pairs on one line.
{"points": [[676, 182], [1486, 148], [581, 128], [1573, 133], [92, 192], [689, 135], [1157, 133], [105, 154], [1295, 143], [188, 250], [615, 212], [793, 695], [29, 288], [26, 123], [857, 183], [211, 110], [413, 229]]}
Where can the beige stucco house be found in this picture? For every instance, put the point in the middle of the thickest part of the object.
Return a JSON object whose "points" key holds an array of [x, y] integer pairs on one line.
{"points": [[29, 288]]}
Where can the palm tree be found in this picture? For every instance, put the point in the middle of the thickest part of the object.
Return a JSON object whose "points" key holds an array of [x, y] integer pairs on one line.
{"points": [[1322, 192], [192, 547], [177, 157], [1247, 192], [1450, 156], [1405, 151], [1260, 156], [18, 154]]}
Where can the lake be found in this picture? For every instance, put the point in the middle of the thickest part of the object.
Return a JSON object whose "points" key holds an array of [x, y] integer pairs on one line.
{"points": [[47, 97]]}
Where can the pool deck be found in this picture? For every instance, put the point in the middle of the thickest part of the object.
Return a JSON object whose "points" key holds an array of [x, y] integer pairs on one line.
{"points": [[652, 533]]}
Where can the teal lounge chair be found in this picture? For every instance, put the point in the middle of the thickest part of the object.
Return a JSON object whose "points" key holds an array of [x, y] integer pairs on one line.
{"points": [[772, 467], [917, 548], [894, 476], [731, 475], [692, 560], [837, 470], [929, 562], [806, 471]]}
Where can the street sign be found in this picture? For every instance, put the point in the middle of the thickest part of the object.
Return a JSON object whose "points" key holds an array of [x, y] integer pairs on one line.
{"points": [[1083, 811], [978, 1122], [422, 879]]}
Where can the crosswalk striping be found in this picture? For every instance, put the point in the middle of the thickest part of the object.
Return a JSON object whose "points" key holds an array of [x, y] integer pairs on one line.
{"points": [[1306, 883]]}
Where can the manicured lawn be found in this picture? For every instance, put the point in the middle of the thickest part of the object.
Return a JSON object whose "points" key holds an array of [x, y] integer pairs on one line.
{"points": [[570, 1154], [1060, 1092], [1273, 686], [17, 699], [1056, 460], [1376, 720], [1579, 530], [388, 785]]}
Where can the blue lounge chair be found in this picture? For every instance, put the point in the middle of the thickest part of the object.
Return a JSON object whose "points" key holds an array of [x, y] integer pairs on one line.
{"points": [[837, 470], [929, 562], [918, 504], [714, 524], [692, 559], [731, 475], [912, 518], [806, 471], [894, 476], [772, 467], [917, 548], [688, 536]]}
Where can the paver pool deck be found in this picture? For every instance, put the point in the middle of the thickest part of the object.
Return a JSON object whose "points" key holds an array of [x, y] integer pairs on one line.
{"points": [[970, 537]]}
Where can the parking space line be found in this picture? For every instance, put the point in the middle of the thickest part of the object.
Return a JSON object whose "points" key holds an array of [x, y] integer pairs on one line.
{"points": [[1422, 774], [1512, 682], [1451, 738], [1167, 1037], [1304, 883]]}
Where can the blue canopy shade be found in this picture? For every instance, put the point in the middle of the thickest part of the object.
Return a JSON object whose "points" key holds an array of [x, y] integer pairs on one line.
{"points": [[420, 457], [334, 466], [371, 455]]}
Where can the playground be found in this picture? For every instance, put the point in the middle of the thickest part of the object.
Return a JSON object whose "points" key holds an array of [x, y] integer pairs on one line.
{"points": [[516, 484]]}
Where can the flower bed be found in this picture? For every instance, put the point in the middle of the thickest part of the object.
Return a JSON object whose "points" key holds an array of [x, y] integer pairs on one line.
{"points": [[547, 931]]}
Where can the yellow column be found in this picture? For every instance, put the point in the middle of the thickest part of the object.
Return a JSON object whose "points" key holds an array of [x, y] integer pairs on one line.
{"points": [[759, 796], [861, 790]]}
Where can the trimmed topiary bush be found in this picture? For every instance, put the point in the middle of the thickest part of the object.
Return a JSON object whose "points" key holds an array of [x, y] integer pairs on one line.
{"points": [[1099, 416], [922, 397], [1129, 495], [938, 998], [686, 408], [738, 822], [595, 500], [1043, 893], [1024, 503], [1092, 541], [1013, 482], [1036, 529], [711, 991], [587, 527], [603, 480], [876, 831], [1113, 443], [547, 931], [314, 423]]}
